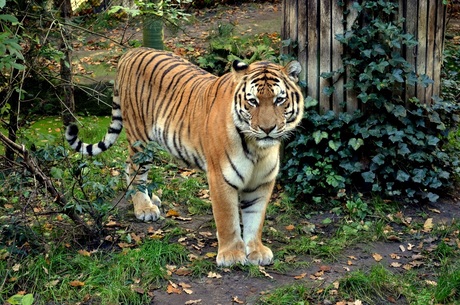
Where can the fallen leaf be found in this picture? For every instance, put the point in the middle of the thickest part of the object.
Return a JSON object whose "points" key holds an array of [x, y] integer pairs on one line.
{"points": [[394, 256], [173, 288], [84, 253], [211, 254], [187, 291], [214, 275], [172, 213], [262, 270], [402, 248], [428, 225], [183, 271], [377, 257], [124, 245], [77, 284], [300, 276], [407, 267], [395, 264], [184, 285], [290, 227], [191, 302], [236, 300], [16, 267], [137, 289], [435, 210]]}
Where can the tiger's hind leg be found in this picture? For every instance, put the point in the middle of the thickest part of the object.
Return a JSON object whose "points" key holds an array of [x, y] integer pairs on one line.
{"points": [[145, 208]]}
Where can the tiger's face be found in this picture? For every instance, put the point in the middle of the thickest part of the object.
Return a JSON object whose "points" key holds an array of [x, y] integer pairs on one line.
{"points": [[268, 104]]}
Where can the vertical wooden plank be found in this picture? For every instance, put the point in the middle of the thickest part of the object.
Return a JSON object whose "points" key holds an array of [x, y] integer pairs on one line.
{"points": [[411, 24], [324, 52], [439, 45], [430, 51], [302, 38], [422, 31], [312, 49], [338, 97], [351, 96]]}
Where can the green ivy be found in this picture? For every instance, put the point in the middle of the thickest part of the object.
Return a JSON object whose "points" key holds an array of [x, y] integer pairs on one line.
{"points": [[390, 147]]}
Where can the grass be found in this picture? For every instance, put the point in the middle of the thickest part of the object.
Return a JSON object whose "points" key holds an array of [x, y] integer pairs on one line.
{"points": [[66, 276], [130, 273]]}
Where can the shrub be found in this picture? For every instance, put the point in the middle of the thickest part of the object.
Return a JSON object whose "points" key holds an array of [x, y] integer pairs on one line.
{"points": [[392, 148]]}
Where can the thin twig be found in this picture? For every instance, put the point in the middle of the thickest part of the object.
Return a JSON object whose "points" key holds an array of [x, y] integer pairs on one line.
{"points": [[30, 164]]}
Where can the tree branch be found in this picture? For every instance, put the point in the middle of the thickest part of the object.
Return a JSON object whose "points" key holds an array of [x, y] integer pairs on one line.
{"points": [[31, 165]]}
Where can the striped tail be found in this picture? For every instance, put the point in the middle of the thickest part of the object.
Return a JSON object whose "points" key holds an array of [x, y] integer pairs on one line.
{"points": [[116, 125]]}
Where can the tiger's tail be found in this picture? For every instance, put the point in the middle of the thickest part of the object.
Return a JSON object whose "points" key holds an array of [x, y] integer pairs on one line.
{"points": [[115, 128]]}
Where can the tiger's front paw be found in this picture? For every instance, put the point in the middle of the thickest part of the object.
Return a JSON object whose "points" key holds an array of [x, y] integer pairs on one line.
{"points": [[260, 255], [144, 209], [231, 255]]}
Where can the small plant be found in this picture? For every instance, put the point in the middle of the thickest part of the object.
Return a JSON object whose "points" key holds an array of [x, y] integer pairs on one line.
{"points": [[225, 47]]}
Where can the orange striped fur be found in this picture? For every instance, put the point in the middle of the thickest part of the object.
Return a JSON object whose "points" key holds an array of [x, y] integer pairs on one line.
{"points": [[229, 126]]}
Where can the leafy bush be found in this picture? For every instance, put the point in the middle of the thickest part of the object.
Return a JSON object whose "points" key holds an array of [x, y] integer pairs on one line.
{"points": [[392, 148]]}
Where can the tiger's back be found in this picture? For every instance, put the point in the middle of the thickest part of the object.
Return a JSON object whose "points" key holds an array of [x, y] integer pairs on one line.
{"points": [[164, 99]]}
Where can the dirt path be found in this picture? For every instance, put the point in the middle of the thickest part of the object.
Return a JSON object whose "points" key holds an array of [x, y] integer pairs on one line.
{"points": [[404, 249]]}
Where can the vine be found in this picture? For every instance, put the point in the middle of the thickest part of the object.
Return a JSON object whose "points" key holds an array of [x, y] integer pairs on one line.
{"points": [[390, 147]]}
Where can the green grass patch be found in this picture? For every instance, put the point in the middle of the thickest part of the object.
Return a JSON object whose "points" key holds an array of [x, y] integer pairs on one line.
{"points": [[65, 276]]}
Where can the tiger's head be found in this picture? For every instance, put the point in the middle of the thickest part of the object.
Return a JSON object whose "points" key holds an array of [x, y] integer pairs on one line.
{"points": [[267, 103]]}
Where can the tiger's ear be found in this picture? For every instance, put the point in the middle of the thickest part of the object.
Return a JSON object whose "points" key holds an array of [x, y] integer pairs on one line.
{"points": [[239, 69], [293, 70]]}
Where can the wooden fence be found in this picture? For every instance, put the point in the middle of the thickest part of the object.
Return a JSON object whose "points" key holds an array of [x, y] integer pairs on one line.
{"points": [[313, 24]]}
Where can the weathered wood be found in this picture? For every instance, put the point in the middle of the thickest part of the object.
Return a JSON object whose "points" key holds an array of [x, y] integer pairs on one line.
{"points": [[314, 24]]}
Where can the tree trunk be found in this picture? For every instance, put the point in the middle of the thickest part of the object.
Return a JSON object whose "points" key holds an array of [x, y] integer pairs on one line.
{"points": [[66, 66], [152, 33]]}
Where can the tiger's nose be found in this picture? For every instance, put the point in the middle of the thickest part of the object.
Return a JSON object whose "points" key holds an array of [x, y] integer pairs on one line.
{"points": [[267, 130]]}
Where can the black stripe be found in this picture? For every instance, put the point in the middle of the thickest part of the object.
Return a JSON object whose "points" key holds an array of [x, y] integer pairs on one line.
{"points": [[235, 169], [78, 146], [89, 150], [256, 188], [71, 141], [114, 130], [102, 146], [231, 184], [244, 204]]}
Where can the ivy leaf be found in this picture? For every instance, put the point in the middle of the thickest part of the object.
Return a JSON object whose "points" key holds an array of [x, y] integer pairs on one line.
{"points": [[402, 176], [368, 176], [319, 135], [400, 111], [310, 102], [432, 140], [397, 75], [328, 90], [432, 197], [379, 159], [418, 175], [403, 149], [355, 143], [334, 145]]}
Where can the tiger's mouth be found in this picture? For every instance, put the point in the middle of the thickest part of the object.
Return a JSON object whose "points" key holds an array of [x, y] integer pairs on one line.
{"points": [[268, 141]]}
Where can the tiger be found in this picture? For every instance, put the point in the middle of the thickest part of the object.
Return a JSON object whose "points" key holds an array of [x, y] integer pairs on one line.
{"points": [[231, 127]]}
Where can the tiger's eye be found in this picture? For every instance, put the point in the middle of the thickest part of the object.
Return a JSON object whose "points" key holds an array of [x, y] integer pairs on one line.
{"points": [[252, 102], [279, 100]]}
